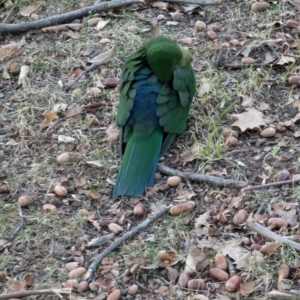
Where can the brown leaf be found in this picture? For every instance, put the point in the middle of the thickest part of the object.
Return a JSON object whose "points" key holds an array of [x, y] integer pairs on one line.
{"points": [[64, 27], [74, 110], [247, 287], [197, 260], [270, 248], [49, 115], [9, 50], [202, 219], [26, 11], [287, 211], [93, 194], [249, 119], [103, 57], [16, 286], [161, 5]]}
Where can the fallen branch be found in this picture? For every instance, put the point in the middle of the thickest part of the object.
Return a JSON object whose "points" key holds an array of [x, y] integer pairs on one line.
{"points": [[36, 292], [201, 177], [67, 17], [270, 235], [120, 240], [267, 185]]}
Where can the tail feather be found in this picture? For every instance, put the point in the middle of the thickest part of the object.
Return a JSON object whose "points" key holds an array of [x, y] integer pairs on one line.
{"points": [[138, 165]]}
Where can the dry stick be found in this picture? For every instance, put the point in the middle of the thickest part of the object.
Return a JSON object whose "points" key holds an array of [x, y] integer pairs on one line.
{"points": [[267, 185], [271, 235], [36, 292], [67, 17], [201, 178], [94, 65], [120, 240]]}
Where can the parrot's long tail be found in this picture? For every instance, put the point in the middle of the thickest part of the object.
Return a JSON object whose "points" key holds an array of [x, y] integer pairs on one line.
{"points": [[138, 165]]}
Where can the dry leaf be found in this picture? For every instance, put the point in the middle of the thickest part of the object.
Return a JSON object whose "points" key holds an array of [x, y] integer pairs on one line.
{"points": [[247, 287], [287, 211], [250, 259], [247, 101], [49, 115], [101, 24], [249, 119], [23, 74], [285, 60], [93, 194], [27, 10], [270, 248], [95, 223], [197, 260], [103, 57], [161, 5], [64, 27], [8, 51], [74, 111], [202, 219]]}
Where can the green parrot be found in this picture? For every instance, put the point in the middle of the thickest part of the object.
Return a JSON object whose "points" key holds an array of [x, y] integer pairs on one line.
{"points": [[156, 92]]}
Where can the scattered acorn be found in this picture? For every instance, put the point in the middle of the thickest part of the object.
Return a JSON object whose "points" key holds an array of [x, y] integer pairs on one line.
{"points": [[231, 141], [277, 223], [233, 283], [240, 217], [133, 290], [211, 35], [196, 284], [229, 132], [183, 279], [294, 79], [77, 272], [82, 286], [49, 208], [60, 190], [24, 201], [268, 132], [115, 228], [259, 6], [283, 176], [174, 181], [291, 24], [178, 209], [114, 295], [200, 25], [248, 60], [218, 274], [63, 158], [221, 262], [111, 82], [139, 209], [71, 266]]}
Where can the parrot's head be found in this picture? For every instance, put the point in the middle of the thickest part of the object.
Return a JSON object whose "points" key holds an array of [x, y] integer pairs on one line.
{"points": [[163, 55]]}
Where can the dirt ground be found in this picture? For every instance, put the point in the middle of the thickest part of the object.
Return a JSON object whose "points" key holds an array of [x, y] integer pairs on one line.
{"points": [[59, 153]]}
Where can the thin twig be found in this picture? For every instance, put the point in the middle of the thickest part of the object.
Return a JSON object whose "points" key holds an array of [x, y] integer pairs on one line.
{"points": [[122, 239], [67, 17], [94, 65], [270, 235], [267, 185], [35, 292], [202, 178]]}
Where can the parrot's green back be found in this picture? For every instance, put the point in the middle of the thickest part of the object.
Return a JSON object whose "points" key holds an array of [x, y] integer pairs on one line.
{"points": [[156, 91]]}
